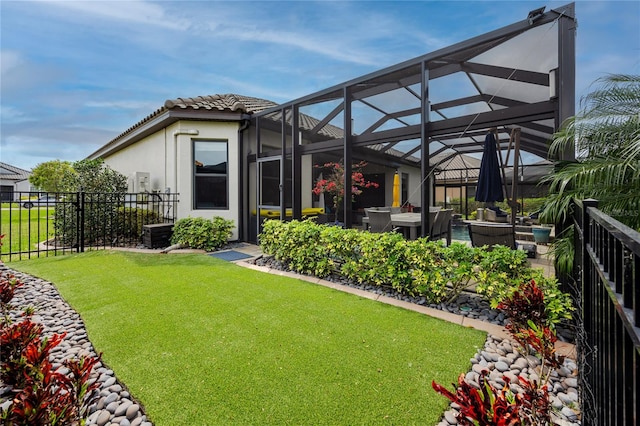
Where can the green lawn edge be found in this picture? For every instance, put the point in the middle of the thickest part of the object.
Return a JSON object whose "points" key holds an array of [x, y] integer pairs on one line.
{"points": [[198, 340]]}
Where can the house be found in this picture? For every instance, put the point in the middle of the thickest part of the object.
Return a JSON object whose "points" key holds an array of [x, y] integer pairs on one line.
{"points": [[13, 180], [240, 157], [198, 147], [190, 146]]}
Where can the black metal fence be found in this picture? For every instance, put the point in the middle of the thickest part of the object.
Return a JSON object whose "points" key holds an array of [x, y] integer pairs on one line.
{"points": [[37, 225], [608, 272]]}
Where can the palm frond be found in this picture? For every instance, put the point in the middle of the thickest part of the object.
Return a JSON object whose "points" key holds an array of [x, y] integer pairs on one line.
{"points": [[606, 135]]}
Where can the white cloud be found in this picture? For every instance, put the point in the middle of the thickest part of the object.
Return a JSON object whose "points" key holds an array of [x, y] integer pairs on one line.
{"points": [[11, 115], [138, 12], [122, 104], [326, 46], [9, 60]]}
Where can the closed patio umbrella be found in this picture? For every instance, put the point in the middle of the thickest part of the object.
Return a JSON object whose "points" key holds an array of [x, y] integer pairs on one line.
{"points": [[396, 190], [489, 188]]}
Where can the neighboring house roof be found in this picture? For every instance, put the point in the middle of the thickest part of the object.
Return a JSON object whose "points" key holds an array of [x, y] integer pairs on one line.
{"points": [[456, 167], [226, 107], [9, 172]]}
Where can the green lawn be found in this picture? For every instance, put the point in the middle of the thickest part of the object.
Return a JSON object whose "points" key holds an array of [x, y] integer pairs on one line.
{"points": [[200, 341], [25, 228]]}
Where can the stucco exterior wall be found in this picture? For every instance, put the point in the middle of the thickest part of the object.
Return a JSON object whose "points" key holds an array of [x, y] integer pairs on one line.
{"points": [[415, 184], [167, 156]]}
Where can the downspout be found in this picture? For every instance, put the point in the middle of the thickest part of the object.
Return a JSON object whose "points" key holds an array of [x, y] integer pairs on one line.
{"points": [[244, 125], [176, 133]]}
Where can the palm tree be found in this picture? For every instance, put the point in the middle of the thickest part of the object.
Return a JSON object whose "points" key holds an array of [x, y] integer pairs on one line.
{"points": [[606, 134]]}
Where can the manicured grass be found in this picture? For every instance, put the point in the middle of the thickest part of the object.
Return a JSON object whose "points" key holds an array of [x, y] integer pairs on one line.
{"points": [[200, 341], [25, 228]]}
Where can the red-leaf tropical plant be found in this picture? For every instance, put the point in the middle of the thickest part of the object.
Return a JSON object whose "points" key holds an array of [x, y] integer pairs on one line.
{"points": [[41, 396], [532, 328], [332, 182], [529, 323], [8, 286], [485, 407]]}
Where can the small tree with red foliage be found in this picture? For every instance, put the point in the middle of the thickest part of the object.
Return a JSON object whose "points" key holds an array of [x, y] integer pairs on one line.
{"points": [[332, 182]]}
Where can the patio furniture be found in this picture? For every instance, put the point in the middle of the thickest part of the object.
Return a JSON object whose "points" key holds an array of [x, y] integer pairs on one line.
{"points": [[492, 234], [441, 225], [380, 221]]}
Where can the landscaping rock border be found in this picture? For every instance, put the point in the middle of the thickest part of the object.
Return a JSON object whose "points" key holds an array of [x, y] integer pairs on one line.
{"points": [[115, 406]]}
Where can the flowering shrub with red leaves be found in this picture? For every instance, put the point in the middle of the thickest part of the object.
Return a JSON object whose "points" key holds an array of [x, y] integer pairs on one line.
{"points": [[48, 397], [8, 286], [524, 305], [492, 407], [333, 182], [537, 409]]}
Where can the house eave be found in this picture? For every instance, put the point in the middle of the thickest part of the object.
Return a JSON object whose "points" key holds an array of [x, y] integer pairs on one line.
{"points": [[159, 122]]}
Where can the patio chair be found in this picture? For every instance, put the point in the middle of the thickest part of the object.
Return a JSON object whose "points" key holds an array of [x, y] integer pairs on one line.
{"points": [[380, 221], [491, 235], [441, 227]]}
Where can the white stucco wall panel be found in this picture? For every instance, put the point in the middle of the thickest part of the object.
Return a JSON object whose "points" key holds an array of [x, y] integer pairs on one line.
{"points": [[145, 156], [167, 156]]}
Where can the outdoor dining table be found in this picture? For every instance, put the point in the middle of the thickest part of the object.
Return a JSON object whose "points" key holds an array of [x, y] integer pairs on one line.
{"points": [[411, 221]]}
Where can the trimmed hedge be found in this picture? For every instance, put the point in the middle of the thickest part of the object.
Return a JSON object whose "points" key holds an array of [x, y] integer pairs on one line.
{"points": [[201, 233], [418, 268]]}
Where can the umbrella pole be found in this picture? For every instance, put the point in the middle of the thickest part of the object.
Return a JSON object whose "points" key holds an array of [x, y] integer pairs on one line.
{"points": [[504, 178], [513, 202]]}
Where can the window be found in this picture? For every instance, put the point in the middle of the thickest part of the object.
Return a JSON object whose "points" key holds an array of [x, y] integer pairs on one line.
{"points": [[210, 169]]}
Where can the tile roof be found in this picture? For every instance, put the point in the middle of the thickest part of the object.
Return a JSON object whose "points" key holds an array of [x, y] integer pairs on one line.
{"points": [[228, 102], [451, 168], [9, 172], [222, 103]]}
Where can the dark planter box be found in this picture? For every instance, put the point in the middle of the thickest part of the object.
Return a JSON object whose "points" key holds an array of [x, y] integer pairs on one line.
{"points": [[157, 235]]}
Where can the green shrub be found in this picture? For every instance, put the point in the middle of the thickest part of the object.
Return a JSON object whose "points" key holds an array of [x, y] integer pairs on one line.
{"points": [[500, 272], [533, 204], [132, 219], [201, 233], [421, 267], [380, 260], [427, 268]]}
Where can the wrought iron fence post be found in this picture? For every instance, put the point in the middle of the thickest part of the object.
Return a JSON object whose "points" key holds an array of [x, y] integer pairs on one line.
{"points": [[588, 295], [80, 230]]}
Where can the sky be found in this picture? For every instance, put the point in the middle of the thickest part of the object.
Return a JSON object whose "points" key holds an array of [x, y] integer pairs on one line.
{"points": [[75, 74]]}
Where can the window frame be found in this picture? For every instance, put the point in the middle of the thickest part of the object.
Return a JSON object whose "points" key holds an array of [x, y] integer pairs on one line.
{"points": [[195, 174]]}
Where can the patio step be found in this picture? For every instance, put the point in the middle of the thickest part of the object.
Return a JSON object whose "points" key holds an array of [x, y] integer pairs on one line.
{"points": [[524, 236]]}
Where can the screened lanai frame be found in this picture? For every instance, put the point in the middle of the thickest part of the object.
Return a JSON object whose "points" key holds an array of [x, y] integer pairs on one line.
{"points": [[442, 103]]}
